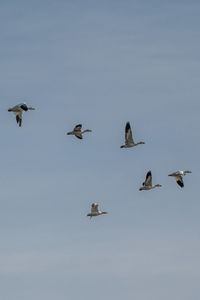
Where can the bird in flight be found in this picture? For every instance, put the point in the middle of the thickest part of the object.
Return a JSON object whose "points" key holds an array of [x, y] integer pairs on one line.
{"points": [[18, 111], [129, 142], [147, 185], [179, 177], [77, 131], [95, 211]]}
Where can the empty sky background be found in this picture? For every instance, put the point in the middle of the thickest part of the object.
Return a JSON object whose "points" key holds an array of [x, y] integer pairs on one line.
{"points": [[99, 63]]}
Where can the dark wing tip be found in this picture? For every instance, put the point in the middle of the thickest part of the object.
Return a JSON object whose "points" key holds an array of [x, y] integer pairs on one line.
{"points": [[180, 183], [19, 121], [128, 126], [149, 174]]}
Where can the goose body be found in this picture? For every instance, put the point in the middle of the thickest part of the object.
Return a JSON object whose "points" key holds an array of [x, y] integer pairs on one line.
{"points": [[77, 131], [147, 184], [95, 211], [18, 111], [178, 176], [129, 142]]}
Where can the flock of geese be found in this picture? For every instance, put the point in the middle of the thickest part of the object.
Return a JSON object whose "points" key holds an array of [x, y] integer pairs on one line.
{"points": [[129, 143]]}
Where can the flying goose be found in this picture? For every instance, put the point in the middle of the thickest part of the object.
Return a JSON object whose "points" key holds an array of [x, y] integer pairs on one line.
{"points": [[147, 185], [179, 177], [129, 142], [95, 211], [77, 131], [18, 111]]}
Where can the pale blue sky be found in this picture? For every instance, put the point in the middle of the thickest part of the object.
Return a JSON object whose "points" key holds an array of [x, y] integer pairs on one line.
{"points": [[99, 63]]}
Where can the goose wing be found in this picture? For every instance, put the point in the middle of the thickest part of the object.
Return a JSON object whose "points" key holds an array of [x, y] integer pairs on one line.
{"points": [[179, 180], [175, 173], [78, 127], [19, 118], [148, 180], [15, 109], [94, 208], [128, 134], [77, 131], [78, 135]]}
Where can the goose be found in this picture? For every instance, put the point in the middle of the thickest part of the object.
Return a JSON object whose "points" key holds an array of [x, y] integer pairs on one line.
{"points": [[77, 131], [129, 142], [147, 185], [18, 111], [179, 177], [95, 211]]}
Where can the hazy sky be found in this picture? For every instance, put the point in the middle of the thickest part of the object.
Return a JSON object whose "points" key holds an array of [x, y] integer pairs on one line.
{"points": [[99, 63]]}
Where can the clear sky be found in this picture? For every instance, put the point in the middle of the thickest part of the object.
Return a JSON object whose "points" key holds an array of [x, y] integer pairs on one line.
{"points": [[99, 63]]}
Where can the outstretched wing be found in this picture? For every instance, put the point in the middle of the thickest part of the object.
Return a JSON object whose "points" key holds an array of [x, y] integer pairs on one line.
{"points": [[148, 180], [94, 208], [19, 118], [15, 109], [78, 127], [174, 173], [78, 135], [77, 131], [128, 134], [179, 180]]}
